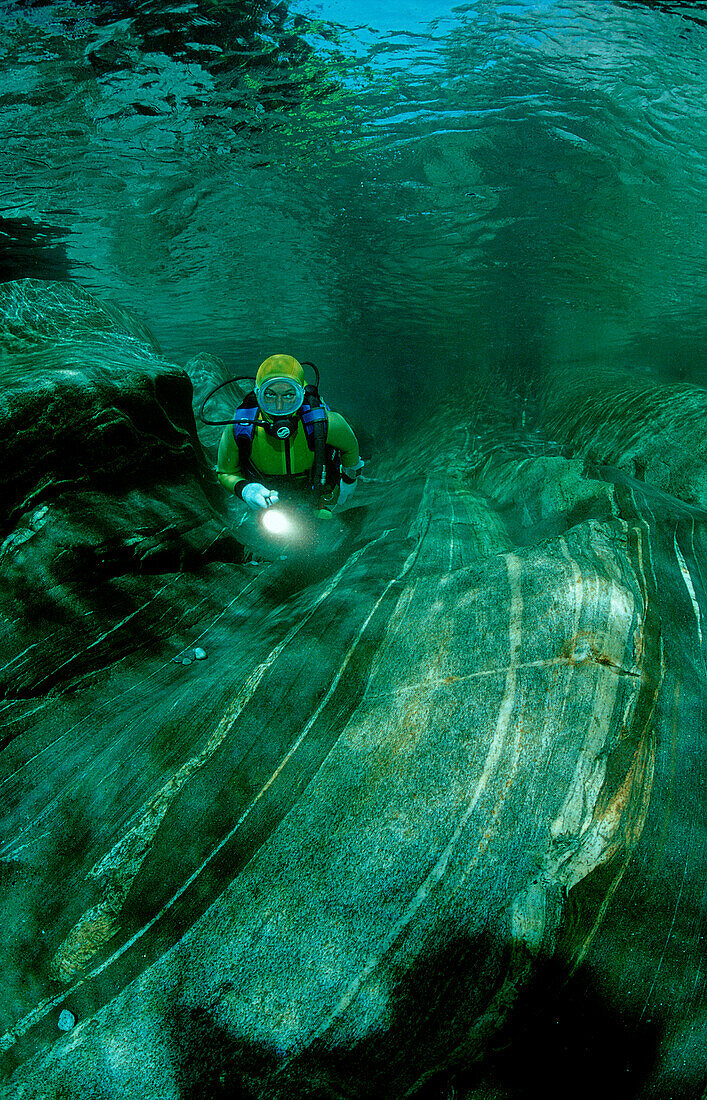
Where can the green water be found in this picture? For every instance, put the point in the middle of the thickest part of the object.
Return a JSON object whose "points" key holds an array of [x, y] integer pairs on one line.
{"points": [[414, 196], [402, 192]]}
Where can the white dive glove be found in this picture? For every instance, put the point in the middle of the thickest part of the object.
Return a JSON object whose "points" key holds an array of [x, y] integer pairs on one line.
{"points": [[256, 496], [347, 484]]}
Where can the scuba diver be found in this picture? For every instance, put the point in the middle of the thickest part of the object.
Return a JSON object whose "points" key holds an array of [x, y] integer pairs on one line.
{"points": [[285, 442]]}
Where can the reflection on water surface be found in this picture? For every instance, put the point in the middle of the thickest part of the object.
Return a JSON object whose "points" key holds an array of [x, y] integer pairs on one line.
{"points": [[408, 186]]}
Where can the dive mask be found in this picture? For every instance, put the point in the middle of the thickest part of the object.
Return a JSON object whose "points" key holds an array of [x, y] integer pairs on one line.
{"points": [[279, 396]]}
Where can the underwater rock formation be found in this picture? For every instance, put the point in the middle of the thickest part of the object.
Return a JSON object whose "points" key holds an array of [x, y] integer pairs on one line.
{"points": [[103, 479], [368, 840]]}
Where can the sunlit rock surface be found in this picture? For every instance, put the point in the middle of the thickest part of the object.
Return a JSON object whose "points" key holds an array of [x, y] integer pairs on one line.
{"points": [[432, 818]]}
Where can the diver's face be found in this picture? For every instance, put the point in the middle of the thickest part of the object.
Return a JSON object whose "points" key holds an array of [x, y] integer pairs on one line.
{"points": [[280, 398]]}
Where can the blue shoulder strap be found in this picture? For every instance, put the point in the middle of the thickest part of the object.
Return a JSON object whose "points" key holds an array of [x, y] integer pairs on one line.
{"points": [[310, 417], [244, 424], [246, 417]]}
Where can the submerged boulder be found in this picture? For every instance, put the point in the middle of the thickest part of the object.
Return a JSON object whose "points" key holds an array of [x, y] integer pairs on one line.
{"points": [[376, 836], [104, 479], [651, 430]]}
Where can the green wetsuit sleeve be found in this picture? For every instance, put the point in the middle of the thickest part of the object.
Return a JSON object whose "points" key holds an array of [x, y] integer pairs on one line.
{"points": [[228, 467], [340, 435]]}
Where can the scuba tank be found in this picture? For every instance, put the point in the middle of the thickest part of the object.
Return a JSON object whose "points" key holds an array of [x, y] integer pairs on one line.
{"points": [[324, 475]]}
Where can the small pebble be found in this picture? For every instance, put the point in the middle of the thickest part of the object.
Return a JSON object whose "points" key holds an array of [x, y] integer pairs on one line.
{"points": [[200, 654], [66, 1020]]}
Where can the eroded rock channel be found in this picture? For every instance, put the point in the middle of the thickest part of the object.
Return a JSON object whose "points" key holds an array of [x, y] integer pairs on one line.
{"points": [[371, 839]]}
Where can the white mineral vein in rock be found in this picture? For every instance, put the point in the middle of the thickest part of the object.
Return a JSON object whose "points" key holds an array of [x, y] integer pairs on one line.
{"points": [[120, 866], [11, 848], [490, 764], [19, 656], [123, 622], [576, 813], [688, 585], [41, 1010]]}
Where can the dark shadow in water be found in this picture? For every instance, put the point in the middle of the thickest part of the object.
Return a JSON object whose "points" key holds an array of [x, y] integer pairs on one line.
{"points": [[569, 1037], [695, 11], [29, 250], [564, 1037], [206, 1056], [99, 600]]}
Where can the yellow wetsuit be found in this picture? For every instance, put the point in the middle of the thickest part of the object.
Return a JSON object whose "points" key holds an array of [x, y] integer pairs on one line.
{"points": [[284, 463], [274, 458]]}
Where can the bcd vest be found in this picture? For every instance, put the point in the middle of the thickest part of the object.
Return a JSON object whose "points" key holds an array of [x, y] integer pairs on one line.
{"points": [[314, 421]]}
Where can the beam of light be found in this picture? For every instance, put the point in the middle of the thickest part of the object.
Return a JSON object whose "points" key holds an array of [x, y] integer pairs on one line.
{"points": [[276, 522]]}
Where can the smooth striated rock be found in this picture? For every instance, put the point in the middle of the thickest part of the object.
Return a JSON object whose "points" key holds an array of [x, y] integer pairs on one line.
{"points": [[651, 430], [104, 479], [398, 822]]}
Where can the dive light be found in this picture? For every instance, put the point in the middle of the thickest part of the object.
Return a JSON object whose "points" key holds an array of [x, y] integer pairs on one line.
{"points": [[276, 521]]}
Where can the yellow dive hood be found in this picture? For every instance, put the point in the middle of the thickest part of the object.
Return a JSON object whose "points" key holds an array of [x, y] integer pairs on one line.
{"points": [[280, 366]]}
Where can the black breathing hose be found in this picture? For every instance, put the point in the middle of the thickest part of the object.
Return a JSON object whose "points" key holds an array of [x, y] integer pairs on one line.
{"points": [[228, 382], [240, 378]]}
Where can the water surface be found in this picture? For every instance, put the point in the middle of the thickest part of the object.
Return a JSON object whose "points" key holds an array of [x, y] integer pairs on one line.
{"points": [[402, 192]]}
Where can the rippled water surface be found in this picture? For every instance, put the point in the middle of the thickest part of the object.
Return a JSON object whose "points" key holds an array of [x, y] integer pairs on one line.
{"points": [[402, 190], [411, 194]]}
